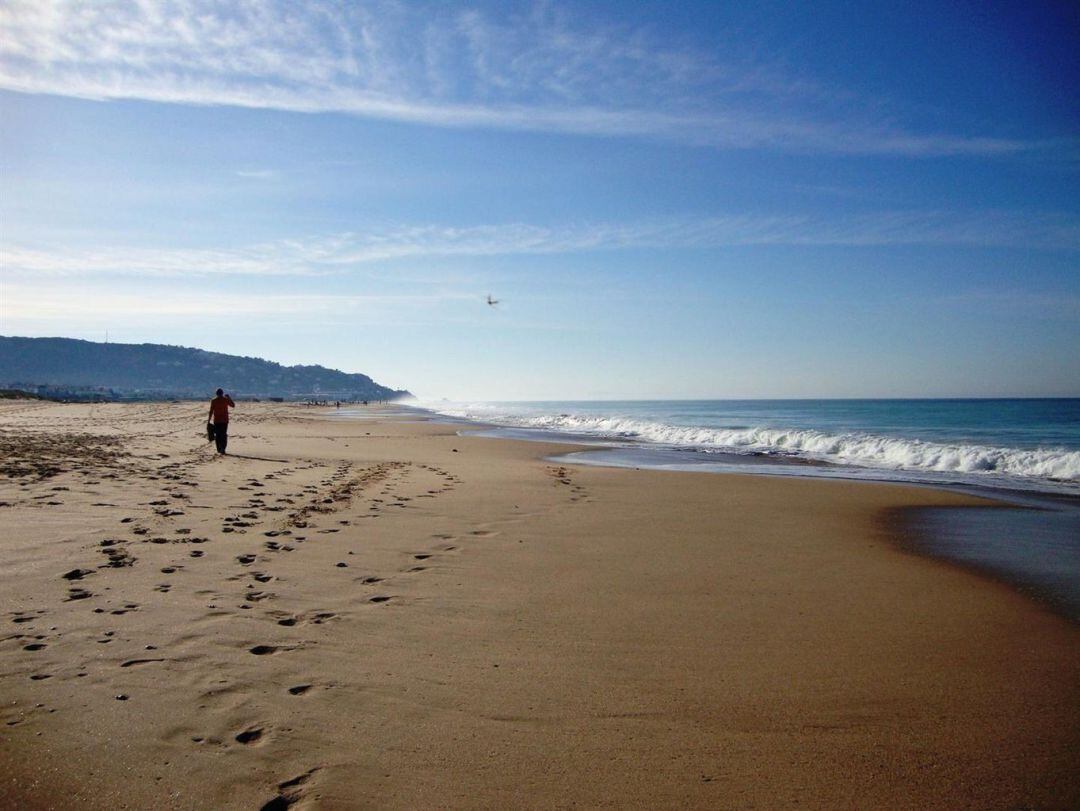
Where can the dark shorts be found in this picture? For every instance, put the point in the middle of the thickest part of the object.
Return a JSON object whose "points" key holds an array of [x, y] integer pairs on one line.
{"points": [[221, 436]]}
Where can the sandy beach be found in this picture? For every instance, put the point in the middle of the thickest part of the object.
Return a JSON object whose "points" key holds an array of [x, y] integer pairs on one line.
{"points": [[380, 613]]}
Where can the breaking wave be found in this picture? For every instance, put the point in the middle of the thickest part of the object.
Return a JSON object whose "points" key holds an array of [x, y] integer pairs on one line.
{"points": [[854, 448]]}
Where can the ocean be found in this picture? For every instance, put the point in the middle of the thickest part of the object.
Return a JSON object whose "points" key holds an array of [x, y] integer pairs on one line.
{"points": [[1009, 444], [1023, 451]]}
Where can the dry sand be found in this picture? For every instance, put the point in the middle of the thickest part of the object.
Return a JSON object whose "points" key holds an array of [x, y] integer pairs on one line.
{"points": [[380, 613]]}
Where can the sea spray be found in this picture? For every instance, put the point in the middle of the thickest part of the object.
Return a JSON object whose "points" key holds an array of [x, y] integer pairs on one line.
{"points": [[863, 448]]}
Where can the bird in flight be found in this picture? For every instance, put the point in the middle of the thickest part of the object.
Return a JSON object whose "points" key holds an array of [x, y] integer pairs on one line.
{"points": [[492, 301]]}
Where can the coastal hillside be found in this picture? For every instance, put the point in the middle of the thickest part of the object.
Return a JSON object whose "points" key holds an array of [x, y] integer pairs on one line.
{"points": [[83, 369]]}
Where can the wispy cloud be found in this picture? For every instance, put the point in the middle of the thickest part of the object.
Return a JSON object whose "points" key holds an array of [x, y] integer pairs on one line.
{"points": [[283, 258], [34, 302], [342, 252], [440, 65], [256, 174]]}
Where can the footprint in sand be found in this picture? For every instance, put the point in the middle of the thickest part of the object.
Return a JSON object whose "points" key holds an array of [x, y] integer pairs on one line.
{"points": [[134, 662], [250, 736], [290, 792], [274, 546], [26, 616], [117, 558]]}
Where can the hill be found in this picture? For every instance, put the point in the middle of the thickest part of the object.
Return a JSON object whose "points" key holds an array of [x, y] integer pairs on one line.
{"points": [[19, 394], [84, 369]]}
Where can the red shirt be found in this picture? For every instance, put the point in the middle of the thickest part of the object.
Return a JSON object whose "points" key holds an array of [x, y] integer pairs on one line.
{"points": [[219, 409]]}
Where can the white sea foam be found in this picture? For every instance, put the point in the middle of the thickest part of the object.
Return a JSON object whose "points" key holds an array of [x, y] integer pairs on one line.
{"points": [[859, 449]]}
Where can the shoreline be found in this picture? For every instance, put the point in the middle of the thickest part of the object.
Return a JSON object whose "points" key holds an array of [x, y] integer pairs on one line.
{"points": [[467, 624], [1046, 587], [651, 450]]}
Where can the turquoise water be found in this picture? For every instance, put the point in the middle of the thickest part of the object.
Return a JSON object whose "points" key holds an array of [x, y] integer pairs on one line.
{"points": [[1020, 444]]}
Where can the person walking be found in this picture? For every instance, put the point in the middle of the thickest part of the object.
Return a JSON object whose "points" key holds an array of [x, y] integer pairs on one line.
{"points": [[219, 415]]}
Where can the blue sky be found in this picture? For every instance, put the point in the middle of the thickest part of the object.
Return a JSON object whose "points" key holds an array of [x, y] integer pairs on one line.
{"points": [[670, 200]]}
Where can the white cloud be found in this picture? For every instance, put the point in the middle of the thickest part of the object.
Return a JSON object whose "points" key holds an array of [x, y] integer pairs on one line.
{"points": [[340, 253], [438, 65], [256, 174], [33, 303], [281, 259]]}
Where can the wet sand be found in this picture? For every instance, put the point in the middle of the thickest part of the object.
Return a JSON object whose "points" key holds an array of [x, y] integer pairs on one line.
{"points": [[379, 613]]}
